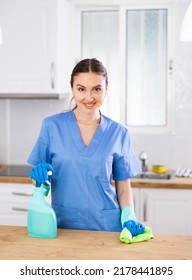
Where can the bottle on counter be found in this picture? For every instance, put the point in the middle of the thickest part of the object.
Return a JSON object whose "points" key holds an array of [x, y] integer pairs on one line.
{"points": [[41, 218]]}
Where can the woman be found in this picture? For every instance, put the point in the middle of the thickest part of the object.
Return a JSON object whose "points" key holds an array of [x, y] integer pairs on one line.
{"points": [[86, 151]]}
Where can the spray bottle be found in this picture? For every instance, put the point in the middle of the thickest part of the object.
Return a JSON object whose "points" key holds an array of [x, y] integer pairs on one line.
{"points": [[41, 219]]}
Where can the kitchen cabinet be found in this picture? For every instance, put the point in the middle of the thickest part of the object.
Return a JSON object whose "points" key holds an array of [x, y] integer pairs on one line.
{"points": [[14, 202], [136, 200], [35, 55], [166, 211]]}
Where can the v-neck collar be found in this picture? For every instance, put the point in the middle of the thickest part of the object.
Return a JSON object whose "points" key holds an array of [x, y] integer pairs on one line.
{"points": [[77, 138]]}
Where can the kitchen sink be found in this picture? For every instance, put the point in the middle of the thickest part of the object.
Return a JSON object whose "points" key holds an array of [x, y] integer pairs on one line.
{"points": [[155, 176]]}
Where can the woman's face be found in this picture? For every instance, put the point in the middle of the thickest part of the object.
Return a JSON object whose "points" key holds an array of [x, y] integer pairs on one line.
{"points": [[89, 91]]}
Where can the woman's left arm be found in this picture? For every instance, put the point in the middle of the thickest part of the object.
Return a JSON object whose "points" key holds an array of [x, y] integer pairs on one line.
{"points": [[124, 193]]}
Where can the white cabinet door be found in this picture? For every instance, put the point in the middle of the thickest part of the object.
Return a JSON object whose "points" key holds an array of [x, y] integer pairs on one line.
{"points": [[14, 203], [136, 201], [31, 60], [167, 211]]}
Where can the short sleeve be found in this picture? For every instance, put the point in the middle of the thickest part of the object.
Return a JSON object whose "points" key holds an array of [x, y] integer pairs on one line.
{"points": [[40, 152], [126, 165]]}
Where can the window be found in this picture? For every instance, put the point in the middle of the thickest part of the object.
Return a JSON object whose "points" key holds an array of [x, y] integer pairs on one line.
{"points": [[134, 43], [146, 71], [100, 31]]}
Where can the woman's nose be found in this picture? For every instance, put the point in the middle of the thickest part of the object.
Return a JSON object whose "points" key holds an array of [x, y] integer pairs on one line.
{"points": [[89, 96]]}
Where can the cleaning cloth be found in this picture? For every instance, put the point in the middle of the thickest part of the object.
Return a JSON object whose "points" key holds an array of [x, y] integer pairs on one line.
{"points": [[126, 236]]}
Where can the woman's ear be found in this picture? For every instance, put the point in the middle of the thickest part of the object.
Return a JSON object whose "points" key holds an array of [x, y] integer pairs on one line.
{"points": [[72, 103]]}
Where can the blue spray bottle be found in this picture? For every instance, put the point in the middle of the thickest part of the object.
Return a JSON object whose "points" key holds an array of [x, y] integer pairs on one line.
{"points": [[41, 218]]}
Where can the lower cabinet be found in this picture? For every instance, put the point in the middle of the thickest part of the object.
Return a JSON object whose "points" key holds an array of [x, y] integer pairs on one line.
{"points": [[166, 211], [14, 202]]}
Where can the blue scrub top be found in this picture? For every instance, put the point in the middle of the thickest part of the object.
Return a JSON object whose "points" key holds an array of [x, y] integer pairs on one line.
{"points": [[82, 193]]}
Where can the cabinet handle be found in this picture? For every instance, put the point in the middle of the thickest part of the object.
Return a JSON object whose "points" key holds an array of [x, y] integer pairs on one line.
{"points": [[52, 75], [134, 201], [19, 209], [145, 207], [22, 194], [170, 68]]}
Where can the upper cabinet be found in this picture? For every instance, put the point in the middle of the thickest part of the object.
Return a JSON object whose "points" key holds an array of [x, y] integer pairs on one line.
{"points": [[35, 57]]}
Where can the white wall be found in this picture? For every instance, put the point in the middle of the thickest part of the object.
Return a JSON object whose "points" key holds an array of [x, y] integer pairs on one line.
{"points": [[20, 120]]}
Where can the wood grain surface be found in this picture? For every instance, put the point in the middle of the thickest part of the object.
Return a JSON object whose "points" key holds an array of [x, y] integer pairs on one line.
{"points": [[15, 244]]}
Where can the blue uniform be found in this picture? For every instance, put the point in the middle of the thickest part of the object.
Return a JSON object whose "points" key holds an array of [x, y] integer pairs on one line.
{"points": [[82, 193]]}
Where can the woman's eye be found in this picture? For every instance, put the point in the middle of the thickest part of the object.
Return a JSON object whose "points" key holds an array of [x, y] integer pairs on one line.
{"points": [[98, 89], [81, 89]]}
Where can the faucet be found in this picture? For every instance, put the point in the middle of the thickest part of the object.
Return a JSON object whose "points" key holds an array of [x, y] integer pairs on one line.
{"points": [[144, 162]]}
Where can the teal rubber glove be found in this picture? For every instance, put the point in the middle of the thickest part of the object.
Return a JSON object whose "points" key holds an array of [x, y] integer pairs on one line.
{"points": [[127, 213], [128, 220], [39, 173]]}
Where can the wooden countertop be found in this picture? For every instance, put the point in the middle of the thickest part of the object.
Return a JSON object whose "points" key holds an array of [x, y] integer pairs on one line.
{"points": [[15, 244], [177, 183], [13, 179]]}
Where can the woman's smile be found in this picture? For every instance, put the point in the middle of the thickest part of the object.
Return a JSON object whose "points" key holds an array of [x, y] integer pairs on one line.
{"points": [[89, 105]]}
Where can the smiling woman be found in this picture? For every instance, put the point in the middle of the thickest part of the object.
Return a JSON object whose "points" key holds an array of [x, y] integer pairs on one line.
{"points": [[86, 150]]}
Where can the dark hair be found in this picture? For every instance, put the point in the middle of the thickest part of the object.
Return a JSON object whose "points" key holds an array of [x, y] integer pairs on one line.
{"points": [[89, 65]]}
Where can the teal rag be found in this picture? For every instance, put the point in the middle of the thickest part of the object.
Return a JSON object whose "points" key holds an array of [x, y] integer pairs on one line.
{"points": [[127, 238]]}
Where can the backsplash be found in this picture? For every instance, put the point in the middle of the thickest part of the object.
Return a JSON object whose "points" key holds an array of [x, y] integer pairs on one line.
{"points": [[20, 123]]}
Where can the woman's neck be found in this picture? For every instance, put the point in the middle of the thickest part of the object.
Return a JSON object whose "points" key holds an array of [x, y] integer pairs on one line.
{"points": [[83, 118]]}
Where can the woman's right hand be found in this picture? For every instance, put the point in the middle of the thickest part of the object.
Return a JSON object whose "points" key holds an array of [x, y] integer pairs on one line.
{"points": [[134, 227], [39, 173]]}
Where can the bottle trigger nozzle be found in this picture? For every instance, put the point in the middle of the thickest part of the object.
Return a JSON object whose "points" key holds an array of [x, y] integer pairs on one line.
{"points": [[49, 173]]}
